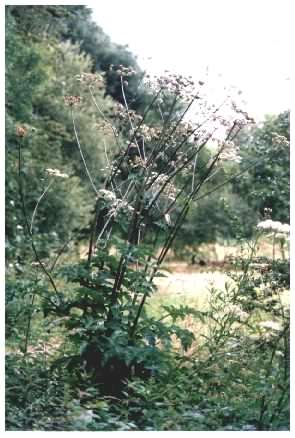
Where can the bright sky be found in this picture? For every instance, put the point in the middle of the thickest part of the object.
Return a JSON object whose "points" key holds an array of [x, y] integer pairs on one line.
{"points": [[247, 42]]}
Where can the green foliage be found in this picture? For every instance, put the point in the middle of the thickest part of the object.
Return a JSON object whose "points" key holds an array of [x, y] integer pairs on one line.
{"points": [[50, 142], [267, 185], [101, 332], [36, 22], [221, 217], [238, 379], [23, 73]]}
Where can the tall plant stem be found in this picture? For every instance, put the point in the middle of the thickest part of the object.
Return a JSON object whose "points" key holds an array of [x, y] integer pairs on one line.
{"points": [[129, 118], [29, 325], [27, 222], [81, 153], [133, 137], [273, 247], [179, 222], [38, 202]]}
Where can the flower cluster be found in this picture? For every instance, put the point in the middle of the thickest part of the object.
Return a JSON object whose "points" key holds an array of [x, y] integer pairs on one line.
{"points": [[280, 139], [106, 127], [245, 116], [122, 205], [107, 195], [136, 118], [176, 84], [56, 172], [184, 130], [221, 120], [148, 132], [136, 163], [21, 131], [119, 110], [121, 113], [72, 100], [272, 325], [267, 213], [116, 205], [123, 71], [91, 79], [236, 311], [230, 152], [274, 226], [241, 122]]}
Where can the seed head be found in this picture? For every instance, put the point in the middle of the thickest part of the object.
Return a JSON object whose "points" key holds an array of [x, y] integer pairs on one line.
{"points": [[21, 131], [72, 100]]}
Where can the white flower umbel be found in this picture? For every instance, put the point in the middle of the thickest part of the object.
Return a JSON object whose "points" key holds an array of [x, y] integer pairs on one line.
{"points": [[116, 205], [56, 172], [274, 226], [230, 152], [273, 325], [107, 195], [237, 311]]}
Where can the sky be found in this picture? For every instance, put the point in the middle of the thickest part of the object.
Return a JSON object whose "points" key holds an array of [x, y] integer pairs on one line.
{"points": [[241, 43]]}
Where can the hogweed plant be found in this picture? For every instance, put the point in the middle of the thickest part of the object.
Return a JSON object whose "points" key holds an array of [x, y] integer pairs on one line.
{"points": [[151, 180], [279, 233]]}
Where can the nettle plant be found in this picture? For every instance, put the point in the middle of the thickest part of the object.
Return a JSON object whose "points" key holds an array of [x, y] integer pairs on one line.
{"points": [[149, 187]]}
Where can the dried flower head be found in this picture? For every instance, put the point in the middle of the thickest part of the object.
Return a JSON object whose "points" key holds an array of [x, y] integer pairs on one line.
{"points": [[267, 213], [72, 100], [21, 131], [176, 84], [280, 139], [121, 206], [123, 71], [106, 127], [230, 152], [121, 112], [246, 119], [241, 122], [91, 79], [148, 132]]}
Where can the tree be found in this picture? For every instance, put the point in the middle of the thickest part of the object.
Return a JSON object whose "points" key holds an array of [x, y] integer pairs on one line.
{"points": [[40, 73], [267, 184]]}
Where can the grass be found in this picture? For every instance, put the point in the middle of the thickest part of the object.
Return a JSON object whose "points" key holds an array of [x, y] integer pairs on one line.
{"points": [[187, 288]]}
